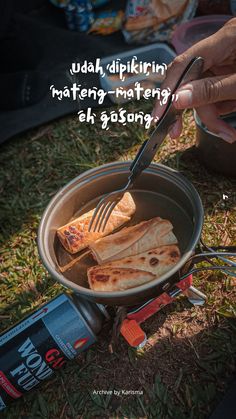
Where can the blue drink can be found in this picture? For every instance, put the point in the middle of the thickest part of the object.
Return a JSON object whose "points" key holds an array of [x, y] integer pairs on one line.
{"points": [[34, 348]]}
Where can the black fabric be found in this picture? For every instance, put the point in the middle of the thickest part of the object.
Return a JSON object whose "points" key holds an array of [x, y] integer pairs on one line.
{"points": [[27, 88], [6, 11], [227, 407], [45, 26], [18, 52]]}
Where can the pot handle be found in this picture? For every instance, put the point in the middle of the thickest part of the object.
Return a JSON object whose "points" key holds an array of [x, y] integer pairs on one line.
{"points": [[203, 247], [206, 253]]}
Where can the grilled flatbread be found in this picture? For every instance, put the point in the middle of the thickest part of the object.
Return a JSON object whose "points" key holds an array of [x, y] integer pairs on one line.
{"points": [[134, 270], [75, 236], [133, 240]]}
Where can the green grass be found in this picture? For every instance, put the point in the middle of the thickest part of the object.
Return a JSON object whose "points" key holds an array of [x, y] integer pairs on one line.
{"points": [[190, 357]]}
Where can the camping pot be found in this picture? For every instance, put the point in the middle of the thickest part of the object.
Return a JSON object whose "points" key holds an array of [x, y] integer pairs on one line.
{"points": [[214, 152], [159, 191]]}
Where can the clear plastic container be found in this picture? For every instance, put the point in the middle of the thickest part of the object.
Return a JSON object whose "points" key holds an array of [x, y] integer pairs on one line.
{"points": [[195, 30], [158, 52]]}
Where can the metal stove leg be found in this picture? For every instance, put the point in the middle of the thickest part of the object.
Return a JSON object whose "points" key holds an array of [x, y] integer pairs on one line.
{"points": [[195, 296], [130, 327]]}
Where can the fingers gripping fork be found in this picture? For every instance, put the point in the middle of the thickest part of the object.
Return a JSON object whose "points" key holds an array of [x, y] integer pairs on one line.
{"points": [[148, 149]]}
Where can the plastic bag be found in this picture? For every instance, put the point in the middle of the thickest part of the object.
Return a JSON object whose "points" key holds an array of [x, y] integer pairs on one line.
{"points": [[154, 20]]}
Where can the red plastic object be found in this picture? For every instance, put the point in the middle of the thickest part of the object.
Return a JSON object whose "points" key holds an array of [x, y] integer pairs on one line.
{"points": [[151, 308], [185, 283], [130, 328], [132, 332], [142, 314]]}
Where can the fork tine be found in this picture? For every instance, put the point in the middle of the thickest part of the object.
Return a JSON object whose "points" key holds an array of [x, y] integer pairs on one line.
{"points": [[101, 218], [108, 214], [100, 212], [104, 209], [97, 210]]}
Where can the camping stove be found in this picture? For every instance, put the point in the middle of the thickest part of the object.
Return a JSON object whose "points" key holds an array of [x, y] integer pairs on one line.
{"points": [[130, 327]]}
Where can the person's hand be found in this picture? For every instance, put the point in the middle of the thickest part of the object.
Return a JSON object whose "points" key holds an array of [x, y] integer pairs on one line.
{"points": [[215, 93]]}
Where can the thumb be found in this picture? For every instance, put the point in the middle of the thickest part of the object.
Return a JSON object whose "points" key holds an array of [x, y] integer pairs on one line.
{"points": [[206, 91]]}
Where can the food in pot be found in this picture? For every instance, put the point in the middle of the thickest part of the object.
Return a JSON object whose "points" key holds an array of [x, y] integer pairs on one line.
{"points": [[75, 236], [133, 240], [133, 271]]}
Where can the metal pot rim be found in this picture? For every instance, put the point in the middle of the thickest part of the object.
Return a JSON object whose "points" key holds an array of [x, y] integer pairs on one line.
{"points": [[101, 170]]}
